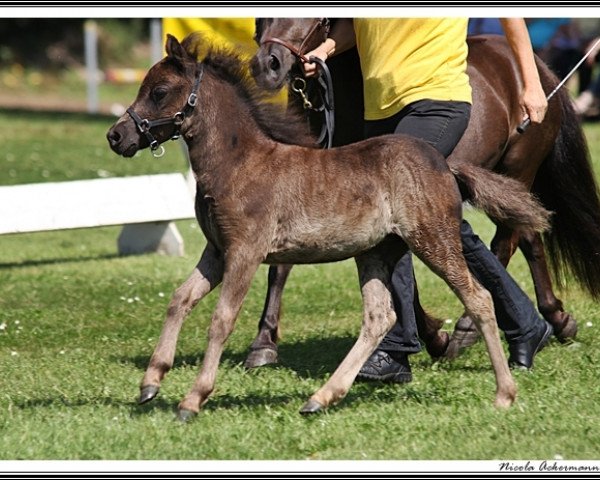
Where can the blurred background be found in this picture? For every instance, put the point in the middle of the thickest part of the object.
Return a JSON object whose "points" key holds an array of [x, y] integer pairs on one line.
{"points": [[92, 65], [95, 65]]}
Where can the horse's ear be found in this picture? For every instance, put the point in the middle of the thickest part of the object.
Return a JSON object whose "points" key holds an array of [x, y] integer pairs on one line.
{"points": [[174, 49], [258, 29]]}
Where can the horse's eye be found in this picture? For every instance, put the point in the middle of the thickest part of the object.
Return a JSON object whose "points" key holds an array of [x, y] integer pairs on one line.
{"points": [[159, 93]]}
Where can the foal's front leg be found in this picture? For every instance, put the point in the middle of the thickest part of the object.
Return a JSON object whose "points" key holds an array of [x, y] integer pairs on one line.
{"points": [[205, 277], [239, 270]]}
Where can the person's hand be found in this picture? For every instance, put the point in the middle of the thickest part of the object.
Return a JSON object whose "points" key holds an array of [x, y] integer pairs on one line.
{"points": [[534, 104], [310, 68], [591, 59]]}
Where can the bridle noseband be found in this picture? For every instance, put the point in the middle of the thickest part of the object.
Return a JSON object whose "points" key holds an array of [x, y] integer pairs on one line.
{"points": [[144, 125]]}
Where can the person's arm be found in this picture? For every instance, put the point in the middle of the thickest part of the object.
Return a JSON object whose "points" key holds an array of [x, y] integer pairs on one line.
{"points": [[340, 38], [533, 99]]}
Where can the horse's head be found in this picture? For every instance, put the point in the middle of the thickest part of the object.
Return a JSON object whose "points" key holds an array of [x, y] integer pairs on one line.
{"points": [[281, 42], [165, 98]]}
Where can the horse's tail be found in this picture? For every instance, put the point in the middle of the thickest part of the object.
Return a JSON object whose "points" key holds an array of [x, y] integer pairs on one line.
{"points": [[566, 185], [505, 200]]}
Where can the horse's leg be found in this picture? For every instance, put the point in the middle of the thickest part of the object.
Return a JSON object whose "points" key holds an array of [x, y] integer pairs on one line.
{"points": [[465, 332], [237, 277], [429, 330], [478, 303], [205, 277], [374, 272], [263, 350], [441, 251], [550, 307]]}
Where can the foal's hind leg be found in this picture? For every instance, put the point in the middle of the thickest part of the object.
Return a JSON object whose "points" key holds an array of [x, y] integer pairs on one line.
{"points": [[264, 347], [206, 276], [465, 332], [441, 250], [374, 271]]}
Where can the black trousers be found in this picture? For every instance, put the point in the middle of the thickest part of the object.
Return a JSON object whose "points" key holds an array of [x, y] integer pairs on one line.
{"points": [[442, 124]]}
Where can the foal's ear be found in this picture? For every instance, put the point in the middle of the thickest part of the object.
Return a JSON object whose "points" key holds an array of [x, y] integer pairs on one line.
{"points": [[174, 49]]}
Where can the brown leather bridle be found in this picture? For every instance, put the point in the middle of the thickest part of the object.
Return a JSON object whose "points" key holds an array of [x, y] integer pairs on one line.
{"points": [[321, 27]]}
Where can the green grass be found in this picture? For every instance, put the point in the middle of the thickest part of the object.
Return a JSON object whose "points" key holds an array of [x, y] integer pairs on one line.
{"points": [[80, 322]]}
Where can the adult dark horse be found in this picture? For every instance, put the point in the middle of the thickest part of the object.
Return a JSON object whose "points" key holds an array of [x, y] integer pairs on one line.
{"points": [[263, 198], [550, 159]]}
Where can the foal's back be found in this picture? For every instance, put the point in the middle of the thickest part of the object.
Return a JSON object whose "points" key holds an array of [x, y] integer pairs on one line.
{"points": [[334, 204]]}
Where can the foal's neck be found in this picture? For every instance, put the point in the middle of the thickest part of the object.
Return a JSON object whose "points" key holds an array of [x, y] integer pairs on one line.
{"points": [[223, 134]]}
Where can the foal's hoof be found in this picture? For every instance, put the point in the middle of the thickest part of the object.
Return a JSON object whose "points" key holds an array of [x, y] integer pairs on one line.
{"points": [[568, 331], [311, 407], [147, 393], [185, 416], [261, 357]]}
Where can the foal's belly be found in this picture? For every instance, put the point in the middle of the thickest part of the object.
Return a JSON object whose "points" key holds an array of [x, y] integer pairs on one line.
{"points": [[328, 241]]}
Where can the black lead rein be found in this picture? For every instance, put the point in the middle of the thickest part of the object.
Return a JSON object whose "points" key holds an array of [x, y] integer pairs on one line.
{"points": [[327, 106], [145, 125]]}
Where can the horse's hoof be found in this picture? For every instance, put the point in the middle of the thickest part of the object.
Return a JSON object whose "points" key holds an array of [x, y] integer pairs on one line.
{"points": [[568, 331], [147, 393], [185, 416], [438, 347], [261, 357], [461, 339], [311, 407]]}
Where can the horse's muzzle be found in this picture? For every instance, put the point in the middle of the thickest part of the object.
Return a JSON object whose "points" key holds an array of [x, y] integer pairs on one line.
{"points": [[118, 143]]}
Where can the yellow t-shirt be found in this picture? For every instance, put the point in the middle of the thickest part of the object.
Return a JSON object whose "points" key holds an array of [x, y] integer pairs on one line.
{"points": [[408, 59]]}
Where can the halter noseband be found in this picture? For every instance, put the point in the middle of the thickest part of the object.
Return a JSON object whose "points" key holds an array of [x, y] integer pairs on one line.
{"points": [[299, 52], [144, 125]]}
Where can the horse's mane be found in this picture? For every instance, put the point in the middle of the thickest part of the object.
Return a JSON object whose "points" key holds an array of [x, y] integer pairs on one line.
{"points": [[273, 119]]}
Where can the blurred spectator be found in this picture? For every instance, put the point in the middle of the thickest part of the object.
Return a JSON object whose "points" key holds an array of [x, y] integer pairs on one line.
{"points": [[559, 42], [478, 26], [587, 104]]}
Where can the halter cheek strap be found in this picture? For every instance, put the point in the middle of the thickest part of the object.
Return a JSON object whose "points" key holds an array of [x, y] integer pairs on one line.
{"points": [[144, 125]]}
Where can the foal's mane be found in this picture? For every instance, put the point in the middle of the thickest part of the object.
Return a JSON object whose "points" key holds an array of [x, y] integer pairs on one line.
{"points": [[273, 119]]}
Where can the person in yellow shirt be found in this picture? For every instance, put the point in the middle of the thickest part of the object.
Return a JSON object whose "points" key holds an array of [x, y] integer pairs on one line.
{"points": [[416, 83]]}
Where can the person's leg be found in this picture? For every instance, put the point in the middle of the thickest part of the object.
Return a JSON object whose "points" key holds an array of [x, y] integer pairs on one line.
{"points": [[524, 329], [441, 124]]}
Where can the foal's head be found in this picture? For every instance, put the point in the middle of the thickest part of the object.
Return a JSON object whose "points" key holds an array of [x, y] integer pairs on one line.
{"points": [[223, 90], [164, 101], [282, 41]]}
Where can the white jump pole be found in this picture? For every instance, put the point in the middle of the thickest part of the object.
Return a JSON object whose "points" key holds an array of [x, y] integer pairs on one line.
{"points": [[90, 29]]}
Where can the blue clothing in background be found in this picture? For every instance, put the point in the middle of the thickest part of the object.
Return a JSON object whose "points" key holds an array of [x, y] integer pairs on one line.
{"points": [[542, 30], [479, 26]]}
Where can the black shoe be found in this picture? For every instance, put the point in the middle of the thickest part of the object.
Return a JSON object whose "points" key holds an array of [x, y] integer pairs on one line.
{"points": [[386, 367], [521, 354]]}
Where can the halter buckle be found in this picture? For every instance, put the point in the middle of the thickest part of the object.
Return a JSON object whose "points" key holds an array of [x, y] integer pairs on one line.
{"points": [[192, 100], [178, 119], [144, 125]]}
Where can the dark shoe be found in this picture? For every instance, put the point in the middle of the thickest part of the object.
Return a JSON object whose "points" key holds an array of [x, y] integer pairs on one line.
{"points": [[385, 368], [521, 354]]}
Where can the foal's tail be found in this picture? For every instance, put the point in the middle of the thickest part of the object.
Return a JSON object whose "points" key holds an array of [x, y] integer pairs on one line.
{"points": [[505, 200]]}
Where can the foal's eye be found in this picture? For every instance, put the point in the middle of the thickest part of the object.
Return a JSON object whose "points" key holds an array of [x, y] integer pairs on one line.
{"points": [[159, 93]]}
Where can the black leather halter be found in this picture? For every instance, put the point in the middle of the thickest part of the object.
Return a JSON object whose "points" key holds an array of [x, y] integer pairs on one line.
{"points": [[144, 125]]}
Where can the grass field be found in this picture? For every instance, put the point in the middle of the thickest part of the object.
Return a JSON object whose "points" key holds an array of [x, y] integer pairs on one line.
{"points": [[78, 324]]}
